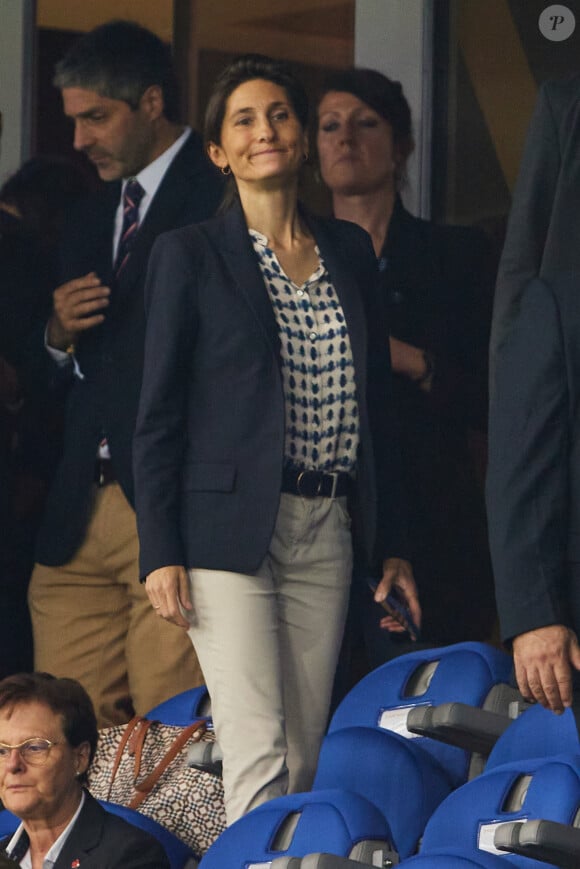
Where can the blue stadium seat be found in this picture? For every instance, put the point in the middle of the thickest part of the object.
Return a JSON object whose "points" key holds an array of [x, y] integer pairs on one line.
{"points": [[345, 824], [183, 708], [403, 781], [536, 733], [470, 822], [466, 672], [179, 854]]}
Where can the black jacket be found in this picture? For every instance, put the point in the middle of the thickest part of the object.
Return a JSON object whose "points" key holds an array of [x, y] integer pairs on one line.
{"points": [[111, 355]]}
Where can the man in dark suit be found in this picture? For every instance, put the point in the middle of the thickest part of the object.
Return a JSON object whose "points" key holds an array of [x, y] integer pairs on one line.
{"points": [[91, 618], [541, 242], [544, 222], [533, 489]]}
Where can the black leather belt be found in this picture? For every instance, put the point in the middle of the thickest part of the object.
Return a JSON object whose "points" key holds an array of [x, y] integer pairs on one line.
{"points": [[104, 473], [315, 484]]}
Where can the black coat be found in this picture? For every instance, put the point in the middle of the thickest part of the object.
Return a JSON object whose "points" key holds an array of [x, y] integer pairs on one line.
{"points": [[544, 223], [533, 486], [111, 355], [437, 285]]}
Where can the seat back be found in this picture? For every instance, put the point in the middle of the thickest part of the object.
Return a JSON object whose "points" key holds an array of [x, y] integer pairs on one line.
{"points": [[536, 733], [468, 818], [464, 672], [403, 781], [183, 708], [9, 823], [179, 854], [335, 821]]}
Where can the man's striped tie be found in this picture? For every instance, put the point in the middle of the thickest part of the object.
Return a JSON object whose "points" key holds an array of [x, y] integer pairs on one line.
{"points": [[132, 196]]}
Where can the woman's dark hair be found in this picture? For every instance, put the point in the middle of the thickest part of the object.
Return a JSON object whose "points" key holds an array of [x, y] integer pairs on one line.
{"points": [[65, 697], [245, 68], [384, 96], [248, 67]]}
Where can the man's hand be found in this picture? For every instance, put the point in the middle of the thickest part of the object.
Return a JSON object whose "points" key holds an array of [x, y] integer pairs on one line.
{"points": [[543, 660], [398, 574], [77, 307], [168, 590]]}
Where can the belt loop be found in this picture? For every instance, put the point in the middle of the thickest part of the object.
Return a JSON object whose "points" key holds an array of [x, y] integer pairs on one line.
{"points": [[334, 476]]}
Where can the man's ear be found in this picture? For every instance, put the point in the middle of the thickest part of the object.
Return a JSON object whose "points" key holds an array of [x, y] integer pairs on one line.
{"points": [[152, 102]]}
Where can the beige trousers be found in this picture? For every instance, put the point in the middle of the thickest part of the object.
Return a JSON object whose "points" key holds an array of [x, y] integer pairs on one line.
{"points": [[92, 620], [268, 645]]}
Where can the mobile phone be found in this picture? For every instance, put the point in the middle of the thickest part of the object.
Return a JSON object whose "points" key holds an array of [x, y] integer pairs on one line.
{"points": [[398, 609]]}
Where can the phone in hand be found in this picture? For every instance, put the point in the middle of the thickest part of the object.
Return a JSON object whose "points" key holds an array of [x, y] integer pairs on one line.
{"points": [[397, 609]]}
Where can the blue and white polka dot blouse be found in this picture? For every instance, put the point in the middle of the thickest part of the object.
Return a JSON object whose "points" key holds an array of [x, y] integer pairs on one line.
{"points": [[322, 423]]}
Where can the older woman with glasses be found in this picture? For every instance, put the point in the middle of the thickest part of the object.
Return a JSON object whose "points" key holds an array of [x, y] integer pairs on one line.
{"points": [[48, 736]]}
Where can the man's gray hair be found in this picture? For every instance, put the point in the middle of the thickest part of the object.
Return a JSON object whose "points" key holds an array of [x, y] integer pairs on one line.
{"points": [[120, 60]]}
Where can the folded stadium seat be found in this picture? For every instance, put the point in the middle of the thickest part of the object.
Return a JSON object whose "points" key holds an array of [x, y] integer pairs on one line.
{"points": [[180, 856], [483, 817], [405, 782], [339, 822], [537, 732], [183, 708], [472, 673]]}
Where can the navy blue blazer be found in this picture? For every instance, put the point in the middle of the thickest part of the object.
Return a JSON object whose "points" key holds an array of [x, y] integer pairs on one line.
{"points": [[209, 442], [111, 355], [533, 485]]}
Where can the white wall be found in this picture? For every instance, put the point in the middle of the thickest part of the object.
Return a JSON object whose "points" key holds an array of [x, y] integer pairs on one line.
{"points": [[16, 80], [395, 37]]}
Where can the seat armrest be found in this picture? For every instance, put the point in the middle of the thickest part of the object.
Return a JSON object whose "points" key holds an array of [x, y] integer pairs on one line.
{"points": [[548, 841], [467, 727], [322, 861]]}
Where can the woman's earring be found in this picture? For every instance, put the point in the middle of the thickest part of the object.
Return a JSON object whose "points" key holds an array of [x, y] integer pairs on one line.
{"points": [[225, 170]]}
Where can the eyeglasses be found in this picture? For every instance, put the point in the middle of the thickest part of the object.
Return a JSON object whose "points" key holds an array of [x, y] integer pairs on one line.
{"points": [[34, 751]]}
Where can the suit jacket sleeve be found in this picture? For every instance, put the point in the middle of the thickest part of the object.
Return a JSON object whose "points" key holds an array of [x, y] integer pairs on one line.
{"points": [[529, 218], [527, 484], [159, 443]]}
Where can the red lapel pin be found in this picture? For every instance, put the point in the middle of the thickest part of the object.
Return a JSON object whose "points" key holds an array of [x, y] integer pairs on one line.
{"points": [[75, 864]]}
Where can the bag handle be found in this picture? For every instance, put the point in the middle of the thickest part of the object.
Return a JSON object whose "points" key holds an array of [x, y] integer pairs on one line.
{"points": [[145, 787], [136, 728]]}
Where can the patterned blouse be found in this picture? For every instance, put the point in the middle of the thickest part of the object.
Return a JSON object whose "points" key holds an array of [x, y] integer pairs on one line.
{"points": [[322, 423]]}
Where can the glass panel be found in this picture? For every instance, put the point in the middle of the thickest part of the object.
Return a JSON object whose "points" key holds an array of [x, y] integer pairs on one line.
{"points": [[489, 60]]}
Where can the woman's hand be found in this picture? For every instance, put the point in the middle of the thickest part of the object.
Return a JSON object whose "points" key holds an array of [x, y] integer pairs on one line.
{"points": [[168, 590], [411, 362], [398, 575]]}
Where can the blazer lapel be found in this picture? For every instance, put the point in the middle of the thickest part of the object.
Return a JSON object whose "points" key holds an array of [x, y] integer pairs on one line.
{"points": [[84, 837], [236, 249]]}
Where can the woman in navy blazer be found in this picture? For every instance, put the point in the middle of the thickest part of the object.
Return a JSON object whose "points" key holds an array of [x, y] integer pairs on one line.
{"points": [[264, 428]]}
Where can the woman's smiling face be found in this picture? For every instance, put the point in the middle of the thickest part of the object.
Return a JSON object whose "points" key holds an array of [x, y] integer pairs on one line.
{"points": [[261, 136]]}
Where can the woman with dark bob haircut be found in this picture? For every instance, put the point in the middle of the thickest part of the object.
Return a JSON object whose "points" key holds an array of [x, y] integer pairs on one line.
{"points": [[436, 283], [262, 430], [48, 737]]}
